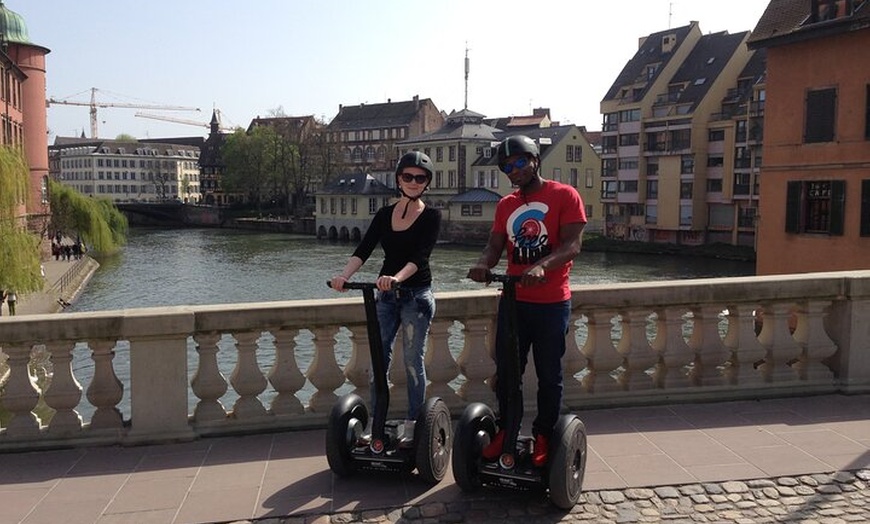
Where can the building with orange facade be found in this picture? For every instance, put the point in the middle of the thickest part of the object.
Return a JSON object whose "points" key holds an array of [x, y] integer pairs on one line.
{"points": [[23, 110], [815, 180]]}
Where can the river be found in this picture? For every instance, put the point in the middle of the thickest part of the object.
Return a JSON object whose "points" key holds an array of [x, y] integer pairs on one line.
{"points": [[217, 266]]}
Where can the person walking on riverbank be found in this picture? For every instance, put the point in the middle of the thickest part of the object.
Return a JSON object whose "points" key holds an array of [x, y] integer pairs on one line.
{"points": [[11, 300], [541, 226], [407, 231]]}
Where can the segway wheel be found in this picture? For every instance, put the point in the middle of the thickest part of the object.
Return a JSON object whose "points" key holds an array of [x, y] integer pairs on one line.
{"points": [[475, 429], [433, 437], [567, 465], [347, 420]]}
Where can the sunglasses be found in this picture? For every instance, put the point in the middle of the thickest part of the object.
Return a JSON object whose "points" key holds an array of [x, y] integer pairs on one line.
{"points": [[420, 179], [519, 163]]}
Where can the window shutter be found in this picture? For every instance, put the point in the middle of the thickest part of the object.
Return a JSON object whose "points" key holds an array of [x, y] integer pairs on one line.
{"points": [[793, 207], [838, 206], [865, 208]]}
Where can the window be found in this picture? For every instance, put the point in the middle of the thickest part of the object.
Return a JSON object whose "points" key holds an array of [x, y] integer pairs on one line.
{"points": [[815, 206], [481, 179], [557, 174], [439, 176], [714, 185], [686, 215], [332, 205], [589, 177], [608, 189], [343, 205], [628, 186], [628, 163], [573, 178], [569, 153], [608, 167], [472, 210], [578, 153], [687, 165], [652, 189], [439, 154], [373, 206], [451, 154], [715, 161], [631, 139], [686, 189], [629, 115], [820, 112], [652, 213], [493, 178]]}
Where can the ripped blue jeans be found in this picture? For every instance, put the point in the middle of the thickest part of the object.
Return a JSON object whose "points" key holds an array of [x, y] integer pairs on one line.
{"points": [[413, 309]]}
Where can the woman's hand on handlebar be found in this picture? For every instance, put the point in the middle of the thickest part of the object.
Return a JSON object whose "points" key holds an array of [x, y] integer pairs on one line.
{"points": [[337, 283], [387, 283]]}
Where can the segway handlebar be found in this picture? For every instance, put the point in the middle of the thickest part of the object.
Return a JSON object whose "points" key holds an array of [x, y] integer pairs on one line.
{"points": [[505, 279], [362, 285]]}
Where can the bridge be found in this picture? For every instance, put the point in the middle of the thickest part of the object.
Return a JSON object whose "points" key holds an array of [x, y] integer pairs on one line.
{"points": [[172, 214]]}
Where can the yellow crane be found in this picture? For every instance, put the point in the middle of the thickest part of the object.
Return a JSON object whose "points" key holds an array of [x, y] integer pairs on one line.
{"points": [[165, 118], [93, 104]]}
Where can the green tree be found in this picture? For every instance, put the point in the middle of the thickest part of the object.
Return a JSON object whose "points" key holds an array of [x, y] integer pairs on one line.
{"points": [[249, 160], [19, 249], [97, 221]]}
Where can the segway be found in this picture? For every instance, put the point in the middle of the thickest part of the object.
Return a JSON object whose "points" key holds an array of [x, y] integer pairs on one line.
{"points": [[387, 448], [561, 476]]}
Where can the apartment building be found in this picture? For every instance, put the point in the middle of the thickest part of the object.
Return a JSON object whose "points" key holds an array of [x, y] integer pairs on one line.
{"points": [[127, 171], [666, 147], [815, 180], [364, 136]]}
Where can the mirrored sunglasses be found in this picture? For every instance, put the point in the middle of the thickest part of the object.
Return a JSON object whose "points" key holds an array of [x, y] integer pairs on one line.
{"points": [[420, 179], [519, 163]]}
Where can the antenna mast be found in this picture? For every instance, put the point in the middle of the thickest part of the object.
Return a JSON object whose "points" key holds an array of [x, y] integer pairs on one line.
{"points": [[670, 13], [466, 74]]}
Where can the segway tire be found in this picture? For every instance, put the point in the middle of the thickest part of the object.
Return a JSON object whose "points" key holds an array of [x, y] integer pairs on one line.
{"points": [[347, 420], [433, 438], [475, 429], [567, 464]]}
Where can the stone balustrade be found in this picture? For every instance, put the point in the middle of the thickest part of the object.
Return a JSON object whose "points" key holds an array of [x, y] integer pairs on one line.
{"points": [[193, 371]]}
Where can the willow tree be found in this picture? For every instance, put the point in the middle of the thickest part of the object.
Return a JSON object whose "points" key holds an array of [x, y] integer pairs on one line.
{"points": [[19, 249], [97, 221]]}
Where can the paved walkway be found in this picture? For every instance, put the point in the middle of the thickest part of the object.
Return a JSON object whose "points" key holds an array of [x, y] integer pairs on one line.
{"points": [[786, 460], [63, 282]]}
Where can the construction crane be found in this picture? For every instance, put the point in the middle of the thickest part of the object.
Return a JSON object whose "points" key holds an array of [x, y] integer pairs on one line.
{"points": [[165, 118], [93, 104]]}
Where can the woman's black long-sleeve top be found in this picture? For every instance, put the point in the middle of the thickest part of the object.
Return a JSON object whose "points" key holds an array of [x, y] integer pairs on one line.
{"points": [[400, 247]]}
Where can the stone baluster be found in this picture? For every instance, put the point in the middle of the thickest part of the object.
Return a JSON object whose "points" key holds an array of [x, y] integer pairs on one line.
{"points": [[441, 369], [21, 394], [64, 393], [573, 362], [397, 377], [815, 344], [746, 350], [710, 352], [324, 372], [208, 383], [780, 346], [674, 353], [476, 361], [105, 390], [602, 355], [636, 350], [359, 367], [247, 378], [285, 376]]}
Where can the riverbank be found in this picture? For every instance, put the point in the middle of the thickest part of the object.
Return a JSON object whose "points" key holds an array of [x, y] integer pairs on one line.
{"points": [[64, 282], [593, 242]]}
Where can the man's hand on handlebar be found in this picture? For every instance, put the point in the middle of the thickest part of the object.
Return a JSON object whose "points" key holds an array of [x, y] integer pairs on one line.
{"points": [[480, 274]]}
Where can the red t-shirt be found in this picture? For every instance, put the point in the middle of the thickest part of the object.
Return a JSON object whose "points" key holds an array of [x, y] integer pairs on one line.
{"points": [[532, 224]]}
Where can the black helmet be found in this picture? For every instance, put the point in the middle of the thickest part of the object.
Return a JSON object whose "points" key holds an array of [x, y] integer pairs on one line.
{"points": [[517, 145], [415, 159]]}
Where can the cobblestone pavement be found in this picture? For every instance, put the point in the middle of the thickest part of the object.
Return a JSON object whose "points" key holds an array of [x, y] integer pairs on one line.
{"points": [[832, 498]]}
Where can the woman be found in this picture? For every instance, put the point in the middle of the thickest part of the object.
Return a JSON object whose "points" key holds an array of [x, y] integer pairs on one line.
{"points": [[407, 231]]}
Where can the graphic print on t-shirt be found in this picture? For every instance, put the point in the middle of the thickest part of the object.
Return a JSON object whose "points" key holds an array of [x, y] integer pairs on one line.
{"points": [[528, 233]]}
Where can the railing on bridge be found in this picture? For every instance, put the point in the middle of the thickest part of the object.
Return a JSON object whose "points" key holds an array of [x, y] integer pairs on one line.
{"points": [[176, 373]]}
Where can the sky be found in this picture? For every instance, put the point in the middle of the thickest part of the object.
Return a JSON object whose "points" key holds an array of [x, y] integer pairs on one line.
{"points": [[307, 57]]}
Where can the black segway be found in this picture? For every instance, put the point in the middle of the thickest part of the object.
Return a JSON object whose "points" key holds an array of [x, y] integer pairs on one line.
{"points": [[388, 448], [561, 476]]}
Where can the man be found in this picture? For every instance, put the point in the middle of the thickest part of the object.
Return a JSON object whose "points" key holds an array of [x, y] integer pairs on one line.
{"points": [[541, 226]]}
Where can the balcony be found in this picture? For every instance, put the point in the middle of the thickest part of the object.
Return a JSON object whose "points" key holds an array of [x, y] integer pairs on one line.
{"points": [[189, 372]]}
